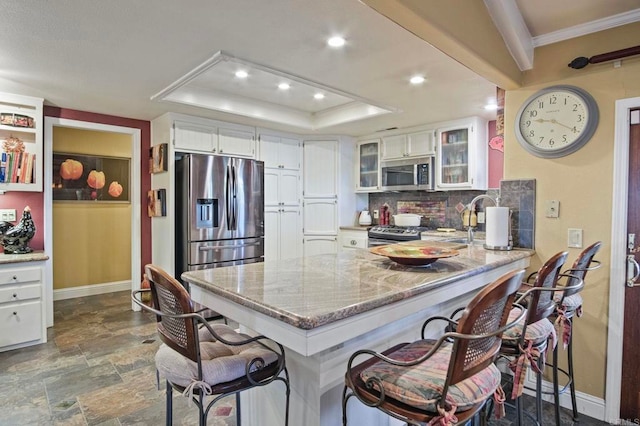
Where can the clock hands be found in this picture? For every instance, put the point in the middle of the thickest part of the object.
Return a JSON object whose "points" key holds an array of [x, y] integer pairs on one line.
{"points": [[554, 121]]}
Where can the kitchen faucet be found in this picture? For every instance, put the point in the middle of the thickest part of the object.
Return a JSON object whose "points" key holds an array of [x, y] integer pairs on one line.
{"points": [[472, 206]]}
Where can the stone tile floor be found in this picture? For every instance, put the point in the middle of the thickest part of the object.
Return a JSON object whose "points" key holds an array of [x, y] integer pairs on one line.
{"points": [[97, 368]]}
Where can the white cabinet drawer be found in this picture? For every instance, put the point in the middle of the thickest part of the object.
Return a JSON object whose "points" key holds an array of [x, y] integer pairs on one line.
{"points": [[20, 275], [19, 293], [354, 242], [20, 323]]}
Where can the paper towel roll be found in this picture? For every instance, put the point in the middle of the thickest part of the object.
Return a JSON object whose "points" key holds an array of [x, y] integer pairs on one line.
{"points": [[497, 227]]}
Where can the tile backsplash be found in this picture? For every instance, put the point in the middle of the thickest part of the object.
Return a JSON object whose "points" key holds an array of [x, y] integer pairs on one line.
{"points": [[439, 208]]}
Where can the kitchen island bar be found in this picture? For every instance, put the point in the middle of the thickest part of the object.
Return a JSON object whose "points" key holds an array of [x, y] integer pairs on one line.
{"points": [[323, 308]]}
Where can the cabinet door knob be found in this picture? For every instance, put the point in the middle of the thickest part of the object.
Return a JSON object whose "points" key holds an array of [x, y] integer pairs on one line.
{"points": [[220, 150], [15, 313], [15, 277], [15, 296], [354, 242], [213, 150]]}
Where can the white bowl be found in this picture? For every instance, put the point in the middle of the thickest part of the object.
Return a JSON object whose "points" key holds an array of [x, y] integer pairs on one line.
{"points": [[407, 219]]}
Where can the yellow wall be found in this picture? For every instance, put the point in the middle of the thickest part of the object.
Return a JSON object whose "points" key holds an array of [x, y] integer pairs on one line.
{"points": [[582, 181], [91, 241]]}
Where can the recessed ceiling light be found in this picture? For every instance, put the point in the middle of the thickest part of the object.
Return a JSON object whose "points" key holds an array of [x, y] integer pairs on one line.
{"points": [[416, 79], [284, 86], [491, 107], [242, 74], [336, 41], [318, 96]]}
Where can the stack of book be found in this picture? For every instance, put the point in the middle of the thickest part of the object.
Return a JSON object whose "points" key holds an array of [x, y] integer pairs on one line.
{"points": [[17, 167]]}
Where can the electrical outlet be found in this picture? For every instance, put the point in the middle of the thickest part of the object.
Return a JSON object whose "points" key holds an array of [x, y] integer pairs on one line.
{"points": [[8, 215], [553, 208], [480, 217], [574, 238], [376, 214]]}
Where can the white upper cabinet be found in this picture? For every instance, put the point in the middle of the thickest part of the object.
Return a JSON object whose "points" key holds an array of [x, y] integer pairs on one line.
{"points": [[415, 144], [194, 134], [195, 137], [368, 165], [280, 152], [320, 169], [21, 124], [237, 142], [462, 155]]}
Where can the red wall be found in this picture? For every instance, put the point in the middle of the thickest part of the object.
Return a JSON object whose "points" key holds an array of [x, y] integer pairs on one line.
{"points": [[495, 160], [35, 200]]}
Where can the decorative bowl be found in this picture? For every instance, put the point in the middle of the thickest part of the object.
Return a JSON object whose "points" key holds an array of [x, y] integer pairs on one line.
{"points": [[413, 254]]}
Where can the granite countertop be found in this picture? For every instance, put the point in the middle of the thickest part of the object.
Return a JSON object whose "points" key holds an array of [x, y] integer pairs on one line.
{"points": [[309, 292], [34, 256]]}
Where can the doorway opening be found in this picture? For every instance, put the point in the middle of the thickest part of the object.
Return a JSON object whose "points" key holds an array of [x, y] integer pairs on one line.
{"points": [[91, 249]]}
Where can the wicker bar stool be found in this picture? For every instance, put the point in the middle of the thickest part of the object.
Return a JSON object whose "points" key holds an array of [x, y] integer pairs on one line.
{"points": [[201, 359], [526, 343], [448, 380], [568, 306]]}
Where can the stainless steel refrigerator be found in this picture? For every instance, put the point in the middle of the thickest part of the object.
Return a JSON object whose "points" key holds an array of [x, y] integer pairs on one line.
{"points": [[219, 212]]}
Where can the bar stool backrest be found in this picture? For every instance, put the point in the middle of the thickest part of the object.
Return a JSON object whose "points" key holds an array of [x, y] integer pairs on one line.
{"points": [[581, 266], [170, 297], [541, 304], [485, 314]]}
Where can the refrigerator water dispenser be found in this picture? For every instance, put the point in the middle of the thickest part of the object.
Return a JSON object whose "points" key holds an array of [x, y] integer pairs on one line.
{"points": [[206, 213]]}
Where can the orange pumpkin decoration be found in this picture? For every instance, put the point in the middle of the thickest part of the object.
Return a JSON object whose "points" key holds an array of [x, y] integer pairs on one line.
{"points": [[70, 169], [115, 189], [95, 179]]}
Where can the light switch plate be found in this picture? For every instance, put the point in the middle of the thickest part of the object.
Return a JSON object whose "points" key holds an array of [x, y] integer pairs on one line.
{"points": [[376, 214], [574, 238], [480, 217], [552, 208], [8, 215]]}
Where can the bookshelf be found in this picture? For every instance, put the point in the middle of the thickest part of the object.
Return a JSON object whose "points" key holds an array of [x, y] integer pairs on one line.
{"points": [[21, 124]]}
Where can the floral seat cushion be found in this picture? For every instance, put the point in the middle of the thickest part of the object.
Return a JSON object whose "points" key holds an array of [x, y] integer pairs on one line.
{"points": [[220, 363], [421, 385], [570, 303], [536, 333]]}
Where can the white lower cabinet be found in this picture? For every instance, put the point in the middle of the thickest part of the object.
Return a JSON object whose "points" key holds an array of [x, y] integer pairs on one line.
{"points": [[320, 244], [282, 233], [22, 319], [352, 239]]}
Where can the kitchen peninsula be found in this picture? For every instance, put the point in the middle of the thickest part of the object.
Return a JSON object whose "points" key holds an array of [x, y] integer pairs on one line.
{"points": [[323, 308]]}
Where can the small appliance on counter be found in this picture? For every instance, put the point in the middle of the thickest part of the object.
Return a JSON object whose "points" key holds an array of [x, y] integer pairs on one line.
{"points": [[364, 218]]}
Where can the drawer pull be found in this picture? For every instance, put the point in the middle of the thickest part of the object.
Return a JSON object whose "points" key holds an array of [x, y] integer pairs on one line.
{"points": [[15, 277], [354, 242], [15, 296], [15, 313]]}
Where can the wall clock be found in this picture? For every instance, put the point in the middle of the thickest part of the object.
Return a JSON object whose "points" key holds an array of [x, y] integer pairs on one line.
{"points": [[556, 121]]}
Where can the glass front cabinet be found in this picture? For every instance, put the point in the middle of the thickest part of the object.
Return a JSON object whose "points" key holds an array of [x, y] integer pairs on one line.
{"points": [[462, 155], [368, 166]]}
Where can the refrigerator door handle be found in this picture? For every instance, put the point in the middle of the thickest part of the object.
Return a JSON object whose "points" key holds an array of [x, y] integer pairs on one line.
{"points": [[235, 198], [227, 196]]}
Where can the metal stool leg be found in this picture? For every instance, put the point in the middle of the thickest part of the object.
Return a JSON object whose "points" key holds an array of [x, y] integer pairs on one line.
{"points": [[539, 390], [556, 384], [572, 388], [169, 402]]}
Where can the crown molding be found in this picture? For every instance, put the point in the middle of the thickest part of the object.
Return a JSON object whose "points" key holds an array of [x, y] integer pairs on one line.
{"points": [[587, 28]]}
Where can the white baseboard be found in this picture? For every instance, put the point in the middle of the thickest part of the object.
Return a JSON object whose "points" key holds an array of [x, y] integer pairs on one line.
{"points": [[588, 405], [90, 290]]}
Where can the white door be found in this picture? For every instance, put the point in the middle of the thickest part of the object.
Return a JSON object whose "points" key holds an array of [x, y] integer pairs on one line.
{"points": [[319, 244], [321, 217], [394, 147], [195, 137], [271, 185], [289, 188], [290, 153], [421, 144]]}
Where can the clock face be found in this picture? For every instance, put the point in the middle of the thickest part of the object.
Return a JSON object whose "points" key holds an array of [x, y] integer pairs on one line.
{"points": [[556, 121]]}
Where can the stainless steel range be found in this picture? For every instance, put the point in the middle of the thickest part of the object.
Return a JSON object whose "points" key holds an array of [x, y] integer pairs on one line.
{"points": [[389, 234]]}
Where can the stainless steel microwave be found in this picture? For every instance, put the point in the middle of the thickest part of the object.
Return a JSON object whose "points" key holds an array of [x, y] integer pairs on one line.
{"points": [[407, 175]]}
